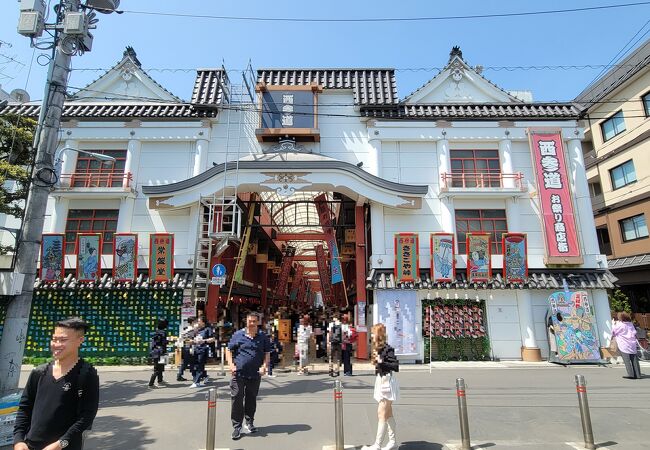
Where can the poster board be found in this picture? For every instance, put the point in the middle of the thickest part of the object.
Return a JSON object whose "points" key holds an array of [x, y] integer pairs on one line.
{"points": [[52, 259], [479, 257], [396, 309], [407, 267], [573, 325], [443, 257], [89, 256], [125, 256], [161, 257], [515, 257]]}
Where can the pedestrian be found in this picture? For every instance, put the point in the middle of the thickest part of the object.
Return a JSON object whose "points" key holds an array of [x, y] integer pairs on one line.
{"points": [[185, 343], [158, 353], [625, 334], [248, 354], [203, 337], [304, 335], [386, 388], [61, 397], [349, 335], [276, 354], [334, 345], [320, 327]]}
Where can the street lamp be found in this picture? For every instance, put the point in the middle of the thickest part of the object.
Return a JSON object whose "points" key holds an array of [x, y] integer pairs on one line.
{"points": [[58, 159]]}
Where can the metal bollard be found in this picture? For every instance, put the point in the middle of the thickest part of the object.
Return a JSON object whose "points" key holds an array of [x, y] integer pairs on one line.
{"points": [[338, 415], [583, 402], [462, 414], [223, 358], [212, 419]]}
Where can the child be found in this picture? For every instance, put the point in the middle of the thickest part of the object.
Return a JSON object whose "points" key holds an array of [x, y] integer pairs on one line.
{"points": [[276, 353]]}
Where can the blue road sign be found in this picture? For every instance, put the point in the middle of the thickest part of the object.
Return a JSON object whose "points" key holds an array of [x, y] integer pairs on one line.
{"points": [[218, 270]]}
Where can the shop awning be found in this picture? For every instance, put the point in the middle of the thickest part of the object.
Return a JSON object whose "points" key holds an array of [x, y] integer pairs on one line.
{"points": [[547, 279]]}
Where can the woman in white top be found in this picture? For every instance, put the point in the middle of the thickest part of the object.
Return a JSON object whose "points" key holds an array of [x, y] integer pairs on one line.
{"points": [[304, 336]]}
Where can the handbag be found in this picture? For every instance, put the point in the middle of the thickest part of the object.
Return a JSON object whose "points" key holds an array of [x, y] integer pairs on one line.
{"points": [[641, 352], [164, 359], [613, 348], [386, 384]]}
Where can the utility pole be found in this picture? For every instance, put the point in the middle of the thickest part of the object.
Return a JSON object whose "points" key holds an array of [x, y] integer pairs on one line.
{"points": [[71, 37]]}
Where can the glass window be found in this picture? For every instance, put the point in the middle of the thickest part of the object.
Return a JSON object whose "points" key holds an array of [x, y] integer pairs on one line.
{"points": [[646, 104], [603, 241], [613, 126], [475, 168], [491, 221], [90, 172], [634, 228], [91, 220], [622, 175]]}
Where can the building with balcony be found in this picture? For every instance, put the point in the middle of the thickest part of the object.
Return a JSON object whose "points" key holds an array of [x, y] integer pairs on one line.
{"points": [[617, 144], [461, 202]]}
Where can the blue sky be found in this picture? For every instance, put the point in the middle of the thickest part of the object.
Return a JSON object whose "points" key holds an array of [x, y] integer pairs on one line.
{"points": [[579, 38]]}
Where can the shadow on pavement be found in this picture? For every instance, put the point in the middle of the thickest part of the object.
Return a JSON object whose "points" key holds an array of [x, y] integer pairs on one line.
{"points": [[128, 392], [280, 429], [113, 432], [420, 445]]}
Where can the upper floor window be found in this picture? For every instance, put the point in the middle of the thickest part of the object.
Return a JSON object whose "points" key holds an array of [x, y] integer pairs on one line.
{"points": [[613, 126], [604, 244], [476, 168], [491, 221], [634, 227], [595, 189], [622, 175], [102, 221], [91, 172], [646, 104]]}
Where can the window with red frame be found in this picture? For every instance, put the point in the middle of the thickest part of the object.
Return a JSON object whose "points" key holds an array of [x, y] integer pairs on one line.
{"points": [[473, 164], [91, 221], [491, 221], [91, 172]]}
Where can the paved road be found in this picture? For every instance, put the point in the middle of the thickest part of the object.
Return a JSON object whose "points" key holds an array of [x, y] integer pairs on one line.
{"points": [[529, 408]]}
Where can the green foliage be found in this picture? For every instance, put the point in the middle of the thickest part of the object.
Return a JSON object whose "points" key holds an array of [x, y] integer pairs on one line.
{"points": [[619, 302], [16, 155], [97, 361]]}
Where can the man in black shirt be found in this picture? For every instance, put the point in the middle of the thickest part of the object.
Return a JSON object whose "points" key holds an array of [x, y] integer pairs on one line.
{"points": [[61, 398]]}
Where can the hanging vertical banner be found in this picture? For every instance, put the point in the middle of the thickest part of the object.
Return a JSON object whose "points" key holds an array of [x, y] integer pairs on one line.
{"points": [[443, 259], [52, 260], [335, 261], [324, 213], [324, 275], [397, 310], [553, 185], [89, 251], [479, 265], [515, 256], [243, 252], [125, 256], [407, 266], [297, 281], [285, 271], [161, 257]]}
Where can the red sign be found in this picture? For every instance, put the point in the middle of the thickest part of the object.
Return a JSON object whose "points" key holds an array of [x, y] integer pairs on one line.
{"points": [[407, 266], [297, 281], [324, 275], [161, 257], [324, 213], [285, 270], [555, 197]]}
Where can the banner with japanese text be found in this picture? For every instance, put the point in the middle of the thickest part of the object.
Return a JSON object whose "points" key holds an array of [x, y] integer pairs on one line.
{"points": [[324, 213], [324, 276], [52, 261], [479, 264], [125, 256], [554, 193], [443, 258], [89, 256], [335, 260], [515, 256], [285, 271], [297, 281], [161, 257], [407, 266]]}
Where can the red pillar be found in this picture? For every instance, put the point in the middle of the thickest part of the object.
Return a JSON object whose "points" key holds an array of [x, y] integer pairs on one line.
{"points": [[360, 262], [264, 283], [212, 296]]}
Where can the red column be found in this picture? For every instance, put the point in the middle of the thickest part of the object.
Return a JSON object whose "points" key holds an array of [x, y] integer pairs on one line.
{"points": [[360, 262], [212, 296], [264, 282]]}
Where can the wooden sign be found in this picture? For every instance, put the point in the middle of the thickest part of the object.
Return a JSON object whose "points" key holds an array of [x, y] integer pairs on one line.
{"points": [[161, 257], [407, 267], [350, 235], [479, 265]]}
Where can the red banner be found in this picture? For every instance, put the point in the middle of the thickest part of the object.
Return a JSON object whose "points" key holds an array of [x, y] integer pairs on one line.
{"points": [[297, 281], [161, 257], [553, 185], [324, 213], [324, 275], [407, 266], [285, 270]]}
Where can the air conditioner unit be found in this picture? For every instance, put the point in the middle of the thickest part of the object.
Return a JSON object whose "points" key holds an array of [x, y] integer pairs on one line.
{"points": [[31, 24], [74, 23]]}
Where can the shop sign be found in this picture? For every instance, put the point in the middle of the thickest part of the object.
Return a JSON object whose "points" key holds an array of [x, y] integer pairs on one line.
{"points": [[285, 271], [89, 256], [407, 266], [350, 235], [479, 265], [347, 250], [443, 257], [52, 261], [573, 326], [125, 256], [161, 257], [555, 197], [515, 257], [297, 280], [324, 276]]}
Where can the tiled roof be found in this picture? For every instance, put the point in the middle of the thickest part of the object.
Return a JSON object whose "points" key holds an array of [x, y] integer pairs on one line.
{"points": [[630, 261], [180, 281], [498, 111], [209, 88], [371, 87], [84, 110], [549, 279]]}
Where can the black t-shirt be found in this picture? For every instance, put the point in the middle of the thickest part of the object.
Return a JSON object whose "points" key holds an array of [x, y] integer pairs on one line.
{"points": [[49, 409]]}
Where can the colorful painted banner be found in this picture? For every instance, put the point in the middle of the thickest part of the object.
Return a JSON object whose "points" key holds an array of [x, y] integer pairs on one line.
{"points": [[397, 310], [161, 257], [407, 266], [324, 275], [324, 213], [125, 256], [515, 257], [89, 256], [572, 327], [52, 260], [243, 252], [457, 321], [443, 257], [335, 261], [479, 265], [285, 271], [554, 193]]}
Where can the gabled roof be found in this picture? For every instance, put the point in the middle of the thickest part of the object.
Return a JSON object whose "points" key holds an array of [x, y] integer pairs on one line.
{"points": [[634, 63], [457, 66], [370, 86], [113, 110]]}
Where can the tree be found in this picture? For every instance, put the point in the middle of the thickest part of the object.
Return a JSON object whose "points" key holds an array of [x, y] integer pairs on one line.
{"points": [[619, 302], [16, 157]]}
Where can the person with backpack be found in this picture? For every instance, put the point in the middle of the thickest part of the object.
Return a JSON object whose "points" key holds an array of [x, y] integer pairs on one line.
{"points": [[61, 398], [349, 335], [158, 352], [334, 345]]}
